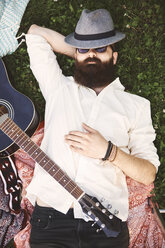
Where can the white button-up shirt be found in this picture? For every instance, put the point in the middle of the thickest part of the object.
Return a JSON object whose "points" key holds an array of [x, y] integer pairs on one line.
{"points": [[120, 117]]}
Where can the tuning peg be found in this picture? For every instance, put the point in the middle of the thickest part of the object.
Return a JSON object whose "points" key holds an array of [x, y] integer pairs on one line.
{"points": [[103, 210], [110, 216], [94, 223], [89, 212], [96, 219], [102, 199], [98, 230]]}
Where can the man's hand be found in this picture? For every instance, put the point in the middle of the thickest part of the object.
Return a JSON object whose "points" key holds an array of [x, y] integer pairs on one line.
{"points": [[55, 39], [90, 143]]}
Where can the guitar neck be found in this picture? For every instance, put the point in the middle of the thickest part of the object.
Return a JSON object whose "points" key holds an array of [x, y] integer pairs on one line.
{"points": [[16, 134]]}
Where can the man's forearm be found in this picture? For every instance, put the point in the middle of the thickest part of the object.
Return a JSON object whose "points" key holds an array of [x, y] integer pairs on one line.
{"points": [[55, 39], [139, 169]]}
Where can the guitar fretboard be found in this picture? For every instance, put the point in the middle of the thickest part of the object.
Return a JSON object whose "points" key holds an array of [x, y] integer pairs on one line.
{"points": [[33, 150]]}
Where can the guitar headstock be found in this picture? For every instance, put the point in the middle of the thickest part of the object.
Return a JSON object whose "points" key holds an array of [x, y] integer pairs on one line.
{"points": [[108, 222]]}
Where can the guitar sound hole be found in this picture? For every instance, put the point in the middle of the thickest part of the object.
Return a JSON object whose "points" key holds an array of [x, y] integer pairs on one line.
{"points": [[3, 110], [6, 108]]}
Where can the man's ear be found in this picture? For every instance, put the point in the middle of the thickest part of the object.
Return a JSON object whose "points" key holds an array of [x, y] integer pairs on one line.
{"points": [[115, 56]]}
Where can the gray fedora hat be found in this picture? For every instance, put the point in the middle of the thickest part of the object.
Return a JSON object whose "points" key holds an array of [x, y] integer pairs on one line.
{"points": [[94, 29]]}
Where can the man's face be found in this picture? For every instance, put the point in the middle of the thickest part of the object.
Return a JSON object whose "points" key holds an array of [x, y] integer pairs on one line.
{"points": [[94, 68]]}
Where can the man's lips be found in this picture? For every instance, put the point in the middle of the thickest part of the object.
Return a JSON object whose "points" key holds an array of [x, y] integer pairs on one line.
{"points": [[91, 62]]}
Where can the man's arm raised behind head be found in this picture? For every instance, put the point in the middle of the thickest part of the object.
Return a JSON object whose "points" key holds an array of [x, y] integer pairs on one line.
{"points": [[55, 39]]}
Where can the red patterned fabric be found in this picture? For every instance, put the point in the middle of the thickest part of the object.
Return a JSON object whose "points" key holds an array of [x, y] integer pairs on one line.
{"points": [[144, 229], [25, 167], [12, 216], [144, 226]]}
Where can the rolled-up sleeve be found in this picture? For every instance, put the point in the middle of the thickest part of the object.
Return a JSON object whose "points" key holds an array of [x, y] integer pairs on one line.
{"points": [[143, 135], [43, 64]]}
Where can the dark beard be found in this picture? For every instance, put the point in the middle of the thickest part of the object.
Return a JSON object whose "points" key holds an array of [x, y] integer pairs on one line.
{"points": [[94, 75]]}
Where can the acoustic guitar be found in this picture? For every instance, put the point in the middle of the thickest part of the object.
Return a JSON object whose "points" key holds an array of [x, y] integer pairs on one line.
{"points": [[15, 119], [20, 109]]}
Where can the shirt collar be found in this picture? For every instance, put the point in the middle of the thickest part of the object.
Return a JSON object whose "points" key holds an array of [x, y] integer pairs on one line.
{"points": [[116, 84]]}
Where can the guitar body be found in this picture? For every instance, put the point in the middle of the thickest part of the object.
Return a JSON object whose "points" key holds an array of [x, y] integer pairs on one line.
{"points": [[20, 109]]}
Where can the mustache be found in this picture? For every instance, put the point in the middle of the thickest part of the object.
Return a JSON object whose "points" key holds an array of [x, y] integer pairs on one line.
{"points": [[92, 60]]}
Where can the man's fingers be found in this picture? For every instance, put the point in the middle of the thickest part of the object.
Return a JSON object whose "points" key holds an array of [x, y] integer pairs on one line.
{"points": [[88, 128], [76, 149], [77, 133], [73, 138], [74, 143]]}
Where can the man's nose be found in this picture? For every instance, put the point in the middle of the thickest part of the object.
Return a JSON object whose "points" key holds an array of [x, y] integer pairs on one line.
{"points": [[92, 53]]}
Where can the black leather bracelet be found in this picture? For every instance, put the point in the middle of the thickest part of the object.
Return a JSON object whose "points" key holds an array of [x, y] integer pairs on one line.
{"points": [[108, 152]]}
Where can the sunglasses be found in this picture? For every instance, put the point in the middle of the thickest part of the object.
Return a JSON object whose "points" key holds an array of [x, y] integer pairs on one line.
{"points": [[98, 50]]}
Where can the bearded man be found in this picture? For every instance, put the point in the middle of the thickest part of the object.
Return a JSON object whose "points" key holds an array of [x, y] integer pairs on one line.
{"points": [[96, 133]]}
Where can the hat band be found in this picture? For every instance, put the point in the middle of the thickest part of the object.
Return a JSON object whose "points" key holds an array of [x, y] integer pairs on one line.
{"points": [[94, 36]]}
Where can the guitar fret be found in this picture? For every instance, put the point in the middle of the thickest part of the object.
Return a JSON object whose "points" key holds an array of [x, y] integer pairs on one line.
{"points": [[43, 161], [65, 181], [40, 157], [54, 170], [47, 166], [58, 175], [19, 139], [11, 130], [28, 145], [76, 192], [20, 133], [31, 150], [25, 144], [13, 134], [71, 186], [37, 153]]}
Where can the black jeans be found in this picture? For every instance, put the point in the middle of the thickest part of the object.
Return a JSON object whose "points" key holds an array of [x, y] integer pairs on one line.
{"points": [[52, 229]]}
